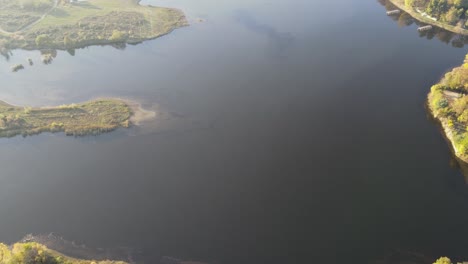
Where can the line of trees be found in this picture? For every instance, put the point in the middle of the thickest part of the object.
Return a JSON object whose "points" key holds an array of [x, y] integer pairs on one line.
{"points": [[449, 11]]}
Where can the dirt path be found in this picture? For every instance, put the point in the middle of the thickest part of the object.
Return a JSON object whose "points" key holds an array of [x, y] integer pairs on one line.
{"points": [[5, 32], [26, 27], [452, 96]]}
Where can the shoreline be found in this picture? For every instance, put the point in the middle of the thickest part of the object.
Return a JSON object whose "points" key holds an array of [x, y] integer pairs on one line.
{"points": [[139, 114], [420, 18], [93, 117], [451, 127], [25, 250], [446, 132], [132, 23]]}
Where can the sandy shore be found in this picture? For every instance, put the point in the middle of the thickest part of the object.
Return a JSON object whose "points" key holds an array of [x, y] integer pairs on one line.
{"points": [[139, 114]]}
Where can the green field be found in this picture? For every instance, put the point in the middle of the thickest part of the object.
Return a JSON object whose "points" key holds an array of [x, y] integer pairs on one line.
{"points": [[34, 253], [88, 118], [61, 24]]}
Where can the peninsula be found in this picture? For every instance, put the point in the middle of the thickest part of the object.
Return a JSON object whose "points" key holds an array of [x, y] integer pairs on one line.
{"points": [[90, 118], [450, 15], [448, 102], [32, 252], [70, 24]]}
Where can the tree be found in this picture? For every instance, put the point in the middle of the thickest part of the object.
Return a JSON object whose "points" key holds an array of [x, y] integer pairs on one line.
{"points": [[432, 7], [118, 36], [43, 40], [453, 15], [461, 3], [68, 42], [443, 6], [437, 7], [443, 260], [409, 3]]}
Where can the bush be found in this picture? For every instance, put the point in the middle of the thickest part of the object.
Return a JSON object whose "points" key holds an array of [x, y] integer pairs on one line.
{"points": [[450, 123], [461, 143], [443, 260], [409, 3], [43, 40], [68, 42], [437, 99], [118, 36], [442, 103]]}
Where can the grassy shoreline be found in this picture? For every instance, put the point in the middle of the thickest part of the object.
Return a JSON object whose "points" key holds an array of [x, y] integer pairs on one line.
{"points": [[448, 104], [448, 133], [88, 118], [32, 252], [72, 25], [400, 4]]}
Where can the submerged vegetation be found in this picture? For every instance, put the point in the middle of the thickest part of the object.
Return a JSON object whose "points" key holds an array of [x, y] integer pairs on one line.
{"points": [[17, 67], [67, 24], [88, 118], [35, 253], [448, 101]]}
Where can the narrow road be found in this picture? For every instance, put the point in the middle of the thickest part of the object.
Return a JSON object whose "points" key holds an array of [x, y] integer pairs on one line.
{"points": [[5, 32], [26, 27]]}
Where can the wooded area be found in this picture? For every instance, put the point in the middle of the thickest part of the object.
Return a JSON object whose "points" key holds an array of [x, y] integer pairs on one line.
{"points": [[449, 11]]}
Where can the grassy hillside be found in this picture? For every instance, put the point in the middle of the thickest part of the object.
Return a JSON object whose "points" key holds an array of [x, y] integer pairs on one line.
{"points": [[93, 117], [65, 24]]}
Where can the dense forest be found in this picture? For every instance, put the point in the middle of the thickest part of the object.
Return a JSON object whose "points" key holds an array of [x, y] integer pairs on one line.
{"points": [[454, 12]]}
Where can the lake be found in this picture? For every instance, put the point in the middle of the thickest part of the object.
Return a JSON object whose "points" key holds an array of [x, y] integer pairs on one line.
{"points": [[287, 132]]}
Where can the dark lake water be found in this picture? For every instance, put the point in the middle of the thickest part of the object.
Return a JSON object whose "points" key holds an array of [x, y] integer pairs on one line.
{"points": [[288, 132]]}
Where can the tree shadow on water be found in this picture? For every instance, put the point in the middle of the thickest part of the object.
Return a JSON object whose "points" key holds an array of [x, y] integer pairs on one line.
{"points": [[405, 20]]}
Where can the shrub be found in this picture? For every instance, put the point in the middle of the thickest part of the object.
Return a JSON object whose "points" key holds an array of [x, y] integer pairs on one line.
{"points": [[461, 143], [409, 3], [43, 40], [437, 100], [68, 42], [118, 36], [442, 103], [450, 123], [443, 260]]}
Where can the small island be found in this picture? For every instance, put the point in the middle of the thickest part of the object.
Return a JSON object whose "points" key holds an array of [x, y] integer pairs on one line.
{"points": [[89, 118], [448, 103], [451, 15], [71, 24], [32, 252]]}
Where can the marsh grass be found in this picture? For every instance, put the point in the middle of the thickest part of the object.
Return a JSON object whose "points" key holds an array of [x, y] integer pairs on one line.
{"points": [[90, 118], [32, 252]]}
